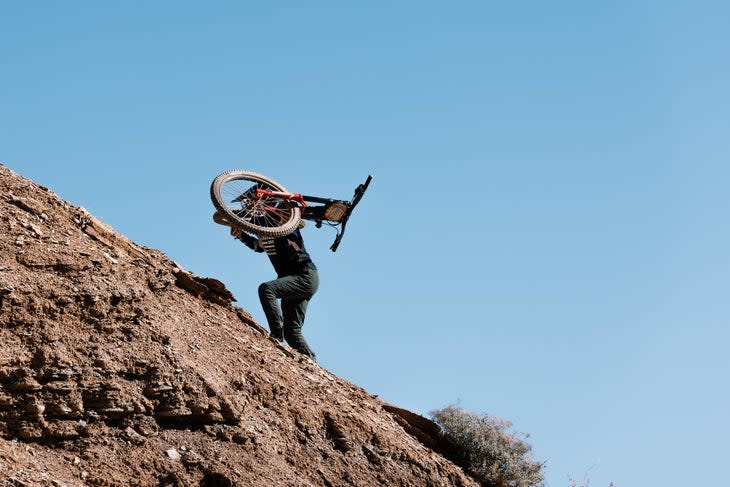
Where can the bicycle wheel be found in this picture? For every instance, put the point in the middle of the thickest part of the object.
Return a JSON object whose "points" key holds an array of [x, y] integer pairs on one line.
{"points": [[234, 195]]}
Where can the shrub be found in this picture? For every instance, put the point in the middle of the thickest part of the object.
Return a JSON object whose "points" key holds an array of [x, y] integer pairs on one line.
{"points": [[489, 450], [585, 483]]}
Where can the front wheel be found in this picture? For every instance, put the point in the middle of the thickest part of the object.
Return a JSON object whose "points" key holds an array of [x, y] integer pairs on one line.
{"points": [[234, 195]]}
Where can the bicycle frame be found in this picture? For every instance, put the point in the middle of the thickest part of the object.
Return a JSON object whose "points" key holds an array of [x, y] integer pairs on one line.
{"points": [[335, 212], [296, 197]]}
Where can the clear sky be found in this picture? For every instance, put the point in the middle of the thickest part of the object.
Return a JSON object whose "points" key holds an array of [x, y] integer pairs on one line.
{"points": [[546, 236]]}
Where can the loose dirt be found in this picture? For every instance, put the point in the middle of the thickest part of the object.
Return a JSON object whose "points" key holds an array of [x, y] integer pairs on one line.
{"points": [[120, 368]]}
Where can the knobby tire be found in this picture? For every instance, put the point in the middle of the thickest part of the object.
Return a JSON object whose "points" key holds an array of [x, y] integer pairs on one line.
{"points": [[254, 219]]}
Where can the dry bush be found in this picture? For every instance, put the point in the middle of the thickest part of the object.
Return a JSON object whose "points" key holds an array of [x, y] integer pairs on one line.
{"points": [[489, 450]]}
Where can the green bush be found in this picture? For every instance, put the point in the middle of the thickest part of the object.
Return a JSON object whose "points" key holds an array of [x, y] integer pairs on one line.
{"points": [[489, 450]]}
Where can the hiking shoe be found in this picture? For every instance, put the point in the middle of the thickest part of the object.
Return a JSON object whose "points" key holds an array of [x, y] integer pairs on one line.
{"points": [[304, 358]]}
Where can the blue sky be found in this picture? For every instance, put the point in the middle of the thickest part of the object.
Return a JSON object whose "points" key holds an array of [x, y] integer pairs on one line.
{"points": [[546, 236]]}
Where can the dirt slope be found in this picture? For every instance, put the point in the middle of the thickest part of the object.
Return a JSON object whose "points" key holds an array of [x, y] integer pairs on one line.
{"points": [[119, 368]]}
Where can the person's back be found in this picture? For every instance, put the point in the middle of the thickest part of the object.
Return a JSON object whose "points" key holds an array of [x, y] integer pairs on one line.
{"points": [[287, 254]]}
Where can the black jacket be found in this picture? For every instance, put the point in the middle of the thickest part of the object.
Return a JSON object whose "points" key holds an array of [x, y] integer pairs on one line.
{"points": [[287, 254]]}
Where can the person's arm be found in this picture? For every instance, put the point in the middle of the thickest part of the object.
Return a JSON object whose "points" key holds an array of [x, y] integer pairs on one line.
{"points": [[250, 241]]}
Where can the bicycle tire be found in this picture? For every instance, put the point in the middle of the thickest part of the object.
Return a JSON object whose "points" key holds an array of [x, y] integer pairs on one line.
{"points": [[265, 217]]}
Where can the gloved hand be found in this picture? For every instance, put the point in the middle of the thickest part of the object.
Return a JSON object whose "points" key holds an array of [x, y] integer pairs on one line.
{"points": [[219, 218], [236, 231]]}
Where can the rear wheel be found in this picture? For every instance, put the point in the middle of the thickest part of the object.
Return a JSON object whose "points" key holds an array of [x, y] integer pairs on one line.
{"points": [[234, 196]]}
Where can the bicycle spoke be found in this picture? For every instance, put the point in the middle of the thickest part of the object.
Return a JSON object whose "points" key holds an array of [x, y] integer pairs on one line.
{"points": [[265, 212], [235, 194]]}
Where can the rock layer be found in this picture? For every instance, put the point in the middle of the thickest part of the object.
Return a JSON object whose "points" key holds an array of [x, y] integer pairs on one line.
{"points": [[118, 367]]}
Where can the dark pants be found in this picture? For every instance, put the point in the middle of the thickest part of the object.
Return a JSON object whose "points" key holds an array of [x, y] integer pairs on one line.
{"points": [[295, 291]]}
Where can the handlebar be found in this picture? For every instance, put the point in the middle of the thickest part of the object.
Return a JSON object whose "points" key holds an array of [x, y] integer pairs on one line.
{"points": [[359, 192]]}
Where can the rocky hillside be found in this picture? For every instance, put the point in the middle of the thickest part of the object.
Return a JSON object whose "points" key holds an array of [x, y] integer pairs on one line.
{"points": [[119, 368]]}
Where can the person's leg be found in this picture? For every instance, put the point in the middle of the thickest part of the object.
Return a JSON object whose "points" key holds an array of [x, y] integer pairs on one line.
{"points": [[294, 310], [299, 286], [269, 293]]}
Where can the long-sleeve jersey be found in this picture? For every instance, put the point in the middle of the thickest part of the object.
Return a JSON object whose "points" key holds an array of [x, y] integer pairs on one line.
{"points": [[287, 254]]}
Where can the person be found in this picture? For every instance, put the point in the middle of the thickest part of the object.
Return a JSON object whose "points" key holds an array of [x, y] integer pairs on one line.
{"points": [[297, 281]]}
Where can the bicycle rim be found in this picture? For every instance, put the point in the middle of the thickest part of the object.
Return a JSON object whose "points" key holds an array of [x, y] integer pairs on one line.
{"points": [[234, 194]]}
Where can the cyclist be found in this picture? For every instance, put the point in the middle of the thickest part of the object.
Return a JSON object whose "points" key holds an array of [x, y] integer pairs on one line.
{"points": [[297, 281]]}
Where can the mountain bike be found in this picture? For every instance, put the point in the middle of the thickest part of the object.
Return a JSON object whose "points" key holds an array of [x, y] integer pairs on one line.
{"points": [[261, 206]]}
